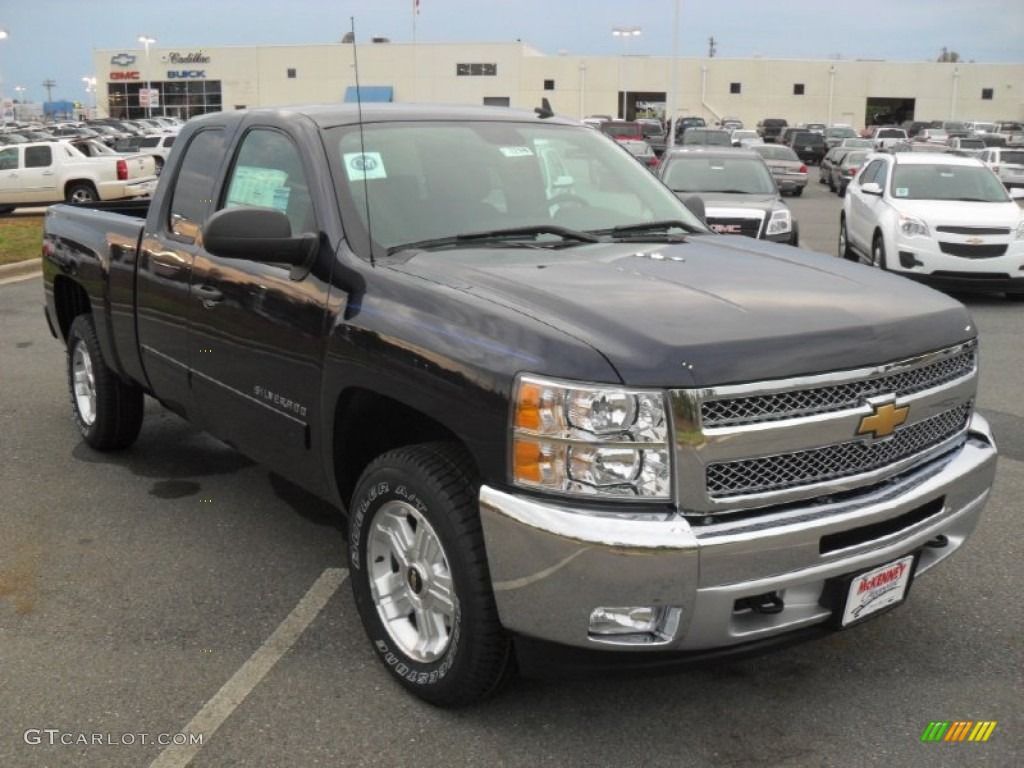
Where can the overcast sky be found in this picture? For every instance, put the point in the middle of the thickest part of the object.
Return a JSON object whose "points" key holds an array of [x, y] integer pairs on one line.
{"points": [[55, 38]]}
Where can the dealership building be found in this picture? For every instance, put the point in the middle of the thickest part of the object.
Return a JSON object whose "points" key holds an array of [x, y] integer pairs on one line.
{"points": [[190, 81]]}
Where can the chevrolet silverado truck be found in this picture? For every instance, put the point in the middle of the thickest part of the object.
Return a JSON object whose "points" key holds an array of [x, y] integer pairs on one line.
{"points": [[568, 424]]}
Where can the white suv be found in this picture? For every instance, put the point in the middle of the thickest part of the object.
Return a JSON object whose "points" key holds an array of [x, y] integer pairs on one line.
{"points": [[1007, 163], [937, 218]]}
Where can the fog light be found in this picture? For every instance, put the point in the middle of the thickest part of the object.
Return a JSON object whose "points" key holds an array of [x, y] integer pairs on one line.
{"points": [[626, 621]]}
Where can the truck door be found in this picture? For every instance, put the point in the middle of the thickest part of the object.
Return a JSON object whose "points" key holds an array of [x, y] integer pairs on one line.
{"points": [[10, 176], [164, 272], [39, 174], [257, 328]]}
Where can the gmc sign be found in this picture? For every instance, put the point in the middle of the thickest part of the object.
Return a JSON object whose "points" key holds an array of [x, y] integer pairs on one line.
{"points": [[124, 76]]}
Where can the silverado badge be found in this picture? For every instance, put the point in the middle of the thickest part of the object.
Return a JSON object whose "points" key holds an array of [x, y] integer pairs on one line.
{"points": [[883, 420]]}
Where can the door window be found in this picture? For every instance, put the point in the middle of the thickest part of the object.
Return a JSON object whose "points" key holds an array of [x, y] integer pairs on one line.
{"points": [[193, 189], [9, 159], [38, 157], [268, 173]]}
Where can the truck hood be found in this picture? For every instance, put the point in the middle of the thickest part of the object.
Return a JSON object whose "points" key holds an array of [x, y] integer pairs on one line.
{"points": [[709, 311]]}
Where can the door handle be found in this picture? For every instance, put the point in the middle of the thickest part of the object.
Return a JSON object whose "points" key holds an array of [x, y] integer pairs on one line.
{"points": [[47, 173], [209, 295]]}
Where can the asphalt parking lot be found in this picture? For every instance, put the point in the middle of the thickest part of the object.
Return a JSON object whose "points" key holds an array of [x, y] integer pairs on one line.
{"points": [[178, 588]]}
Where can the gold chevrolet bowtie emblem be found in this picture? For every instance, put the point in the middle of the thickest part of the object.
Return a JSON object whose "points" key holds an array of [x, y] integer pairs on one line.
{"points": [[884, 420], [974, 241]]}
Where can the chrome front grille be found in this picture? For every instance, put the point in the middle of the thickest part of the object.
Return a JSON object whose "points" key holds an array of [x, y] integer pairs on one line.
{"points": [[747, 447], [790, 470], [754, 409]]}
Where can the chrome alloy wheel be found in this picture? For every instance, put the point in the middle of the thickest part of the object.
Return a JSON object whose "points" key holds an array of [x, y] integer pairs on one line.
{"points": [[85, 384], [410, 581]]}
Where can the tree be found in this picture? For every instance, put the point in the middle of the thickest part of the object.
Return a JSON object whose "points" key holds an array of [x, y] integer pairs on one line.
{"points": [[948, 57]]}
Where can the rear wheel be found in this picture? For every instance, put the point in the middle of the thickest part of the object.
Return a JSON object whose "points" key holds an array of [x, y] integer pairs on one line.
{"points": [[798, 191], [81, 192], [420, 576], [107, 411]]}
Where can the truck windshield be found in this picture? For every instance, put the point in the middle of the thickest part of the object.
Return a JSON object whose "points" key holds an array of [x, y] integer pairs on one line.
{"points": [[413, 182]]}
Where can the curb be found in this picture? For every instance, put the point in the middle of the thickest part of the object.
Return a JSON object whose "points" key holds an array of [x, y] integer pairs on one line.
{"points": [[21, 268]]}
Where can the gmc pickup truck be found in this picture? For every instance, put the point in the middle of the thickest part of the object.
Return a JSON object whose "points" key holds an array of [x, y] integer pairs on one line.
{"points": [[568, 424]]}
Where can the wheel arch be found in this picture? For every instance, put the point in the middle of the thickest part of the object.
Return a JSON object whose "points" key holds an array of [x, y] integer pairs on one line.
{"points": [[70, 300], [368, 424]]}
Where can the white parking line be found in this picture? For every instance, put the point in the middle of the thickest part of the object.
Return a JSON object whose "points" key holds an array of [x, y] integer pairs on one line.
{"points": [[233, 692], [20, 278]]}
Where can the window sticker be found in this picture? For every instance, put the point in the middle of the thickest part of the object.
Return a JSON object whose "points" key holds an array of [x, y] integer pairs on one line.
{"points": [[265, 187], [364, 165], [516, 151], [901, 192]]}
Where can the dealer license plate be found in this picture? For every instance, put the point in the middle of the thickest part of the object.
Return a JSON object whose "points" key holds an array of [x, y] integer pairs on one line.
{"points": [[878, 589]]}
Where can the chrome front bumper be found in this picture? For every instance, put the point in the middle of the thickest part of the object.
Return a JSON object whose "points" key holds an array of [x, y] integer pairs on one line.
{"points": [[552, 564]]}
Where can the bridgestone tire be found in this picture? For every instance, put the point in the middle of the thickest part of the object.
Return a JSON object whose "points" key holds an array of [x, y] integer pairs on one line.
{"points": [[107, 411], [420, 579]]}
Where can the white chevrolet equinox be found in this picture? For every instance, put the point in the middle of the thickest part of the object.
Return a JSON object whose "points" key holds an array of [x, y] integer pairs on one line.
{"points": [[938, 218]]}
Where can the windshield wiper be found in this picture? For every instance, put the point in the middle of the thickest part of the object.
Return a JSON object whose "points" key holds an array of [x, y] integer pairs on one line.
{"points": [[500, 235], [646, 228]]}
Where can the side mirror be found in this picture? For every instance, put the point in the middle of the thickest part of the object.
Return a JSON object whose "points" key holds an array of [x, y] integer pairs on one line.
{"points": [[257, 234], [871, 188], [1017, 193], [696, 206]]}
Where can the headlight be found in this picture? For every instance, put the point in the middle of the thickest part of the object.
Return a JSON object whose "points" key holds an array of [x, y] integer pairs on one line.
{"points": [[1020, 230], [590, 439], [911, 226], [780, 222]]}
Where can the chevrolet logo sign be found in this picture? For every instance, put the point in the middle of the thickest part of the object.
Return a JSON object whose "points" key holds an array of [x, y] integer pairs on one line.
{"points": [[974, 241], [884, 420], [122, 60]]}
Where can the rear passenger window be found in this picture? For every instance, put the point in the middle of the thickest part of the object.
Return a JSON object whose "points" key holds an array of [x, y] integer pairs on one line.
{"points": [[38, 157], [193, 189]]}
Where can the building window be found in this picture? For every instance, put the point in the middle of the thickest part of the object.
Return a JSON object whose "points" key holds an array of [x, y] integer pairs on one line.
{"points": [[986, 94], [549, 85], [476, 70], [291, 73], [735, 88], [798, 89]]}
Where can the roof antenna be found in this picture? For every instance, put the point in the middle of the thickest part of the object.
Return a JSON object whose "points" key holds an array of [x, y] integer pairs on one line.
{"points": [[544, 111], [362, 142]]}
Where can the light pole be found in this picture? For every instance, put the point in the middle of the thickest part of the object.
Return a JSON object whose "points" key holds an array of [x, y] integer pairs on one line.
{"points": [[148, 40], [19, 91], [624, 34], [90, 87], [4, 34]]}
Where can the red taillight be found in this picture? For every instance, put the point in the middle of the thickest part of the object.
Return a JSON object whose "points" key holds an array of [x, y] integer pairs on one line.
{"points": [[803, 169], [122, 170]]}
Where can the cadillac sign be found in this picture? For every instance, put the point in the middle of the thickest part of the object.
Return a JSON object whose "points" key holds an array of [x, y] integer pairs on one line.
{"points": [[196, 57]]}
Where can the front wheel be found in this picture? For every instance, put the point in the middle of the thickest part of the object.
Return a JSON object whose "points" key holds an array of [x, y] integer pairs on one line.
{"points": [[420, 577], [107, 411], [845, 251], [878, 253]]}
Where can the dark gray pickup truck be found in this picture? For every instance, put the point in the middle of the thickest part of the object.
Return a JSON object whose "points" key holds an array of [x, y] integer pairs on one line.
{"points": [[567, 422]]}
